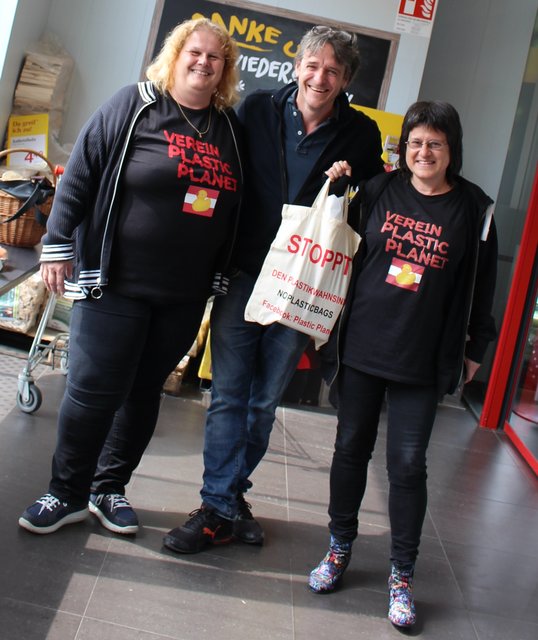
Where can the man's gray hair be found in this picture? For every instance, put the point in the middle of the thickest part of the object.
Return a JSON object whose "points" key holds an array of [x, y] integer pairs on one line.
{"points": [[345, 45]]}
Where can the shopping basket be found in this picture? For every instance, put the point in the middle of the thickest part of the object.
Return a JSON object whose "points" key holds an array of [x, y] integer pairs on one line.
{"points": [[23, 219]]}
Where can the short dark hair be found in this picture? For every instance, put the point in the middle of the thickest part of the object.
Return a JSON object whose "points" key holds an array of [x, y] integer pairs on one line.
{"points": [[345, 45], [440, 116]]}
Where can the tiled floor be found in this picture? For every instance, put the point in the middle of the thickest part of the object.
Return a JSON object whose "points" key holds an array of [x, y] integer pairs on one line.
{"points": [[477, 576]]}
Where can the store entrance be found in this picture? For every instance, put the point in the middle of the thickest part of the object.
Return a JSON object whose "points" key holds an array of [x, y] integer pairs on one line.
{"points": [[512, 209]]}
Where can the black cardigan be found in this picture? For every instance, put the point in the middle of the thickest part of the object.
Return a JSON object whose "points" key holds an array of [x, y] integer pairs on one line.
{"points": [[355, 138], [469, 327]]}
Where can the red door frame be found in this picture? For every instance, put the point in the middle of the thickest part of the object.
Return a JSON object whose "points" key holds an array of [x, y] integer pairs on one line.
{"points": [[499, 394]]}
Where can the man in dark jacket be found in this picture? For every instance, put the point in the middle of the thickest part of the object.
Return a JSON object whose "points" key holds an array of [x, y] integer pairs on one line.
{"points": [[293, 135]]}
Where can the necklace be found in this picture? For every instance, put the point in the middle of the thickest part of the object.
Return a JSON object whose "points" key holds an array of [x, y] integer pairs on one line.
{"points": [[201, 134]]}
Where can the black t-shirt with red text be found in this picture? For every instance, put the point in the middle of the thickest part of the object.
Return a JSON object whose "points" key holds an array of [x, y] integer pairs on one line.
{"points": [[179, 192], [414, 248]]}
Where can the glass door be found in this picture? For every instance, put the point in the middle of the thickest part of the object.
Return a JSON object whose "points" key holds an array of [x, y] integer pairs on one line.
{"points": [[512, 211], [511, 397], [522, 423]]}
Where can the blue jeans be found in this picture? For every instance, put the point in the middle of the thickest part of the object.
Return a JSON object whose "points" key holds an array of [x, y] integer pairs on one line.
{"points": [[411, 413], [251, 367], [120, 352]]}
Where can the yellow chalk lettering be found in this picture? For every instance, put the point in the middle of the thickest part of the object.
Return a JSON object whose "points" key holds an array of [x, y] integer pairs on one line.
{"points": [[254, 31], [288, 49], [238, 26], [272, 34]]}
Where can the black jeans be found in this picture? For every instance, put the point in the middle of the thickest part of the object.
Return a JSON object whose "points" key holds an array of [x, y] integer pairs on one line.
{"points": [[410, 416], [121, 351]]}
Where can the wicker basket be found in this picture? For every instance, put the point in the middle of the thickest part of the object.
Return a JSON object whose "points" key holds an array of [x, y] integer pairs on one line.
{"points": [[25, 231]]}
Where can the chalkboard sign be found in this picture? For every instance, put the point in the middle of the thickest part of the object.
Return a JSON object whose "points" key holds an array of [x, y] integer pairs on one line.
{"points": [[268, 44]]}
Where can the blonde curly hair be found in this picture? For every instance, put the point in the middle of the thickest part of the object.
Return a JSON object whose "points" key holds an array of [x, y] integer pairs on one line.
{"points": [[161, 70]]}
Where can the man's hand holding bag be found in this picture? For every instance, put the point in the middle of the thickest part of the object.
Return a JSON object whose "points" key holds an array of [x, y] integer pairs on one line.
{"points": [[306, 274]]}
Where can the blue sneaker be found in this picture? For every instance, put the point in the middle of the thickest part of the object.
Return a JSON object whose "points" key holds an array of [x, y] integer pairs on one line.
{"points": [[49, 513], [114, 512], [327, 575], [401, 603]]}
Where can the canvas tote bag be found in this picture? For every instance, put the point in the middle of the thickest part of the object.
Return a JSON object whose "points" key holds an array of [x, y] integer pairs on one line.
{"points": [[306, 273]]}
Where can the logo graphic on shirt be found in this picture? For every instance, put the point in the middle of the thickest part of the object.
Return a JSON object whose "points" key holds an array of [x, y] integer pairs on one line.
{"points": [[200, 201], [404, 274]]}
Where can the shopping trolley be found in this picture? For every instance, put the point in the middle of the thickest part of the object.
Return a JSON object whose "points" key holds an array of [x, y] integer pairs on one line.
{"points": [[55, 351], [26, 231]]}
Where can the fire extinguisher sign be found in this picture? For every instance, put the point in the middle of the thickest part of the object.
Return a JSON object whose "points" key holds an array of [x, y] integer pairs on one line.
{"points": [[416, 17]]}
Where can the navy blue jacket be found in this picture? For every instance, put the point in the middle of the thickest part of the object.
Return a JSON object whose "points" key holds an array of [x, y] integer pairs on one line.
{"points": [[85, 209], [355, 138]]}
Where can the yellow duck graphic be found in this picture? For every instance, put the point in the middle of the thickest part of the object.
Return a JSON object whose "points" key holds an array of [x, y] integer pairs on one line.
{"points": [[406, 277], [202, 202]]}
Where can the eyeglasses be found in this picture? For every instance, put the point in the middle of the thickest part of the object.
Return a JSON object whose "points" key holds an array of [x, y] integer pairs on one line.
{"points": [[322, 30], [433, 145]]}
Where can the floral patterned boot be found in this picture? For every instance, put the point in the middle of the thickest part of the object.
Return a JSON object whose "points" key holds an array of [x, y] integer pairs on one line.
{"points": [[326, 576], [401, 602]]}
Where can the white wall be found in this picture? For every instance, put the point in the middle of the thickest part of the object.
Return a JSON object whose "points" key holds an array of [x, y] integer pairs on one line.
{"points": [[108, 40], [476, 61], [28, 20], [7, 15], [379, 14]]}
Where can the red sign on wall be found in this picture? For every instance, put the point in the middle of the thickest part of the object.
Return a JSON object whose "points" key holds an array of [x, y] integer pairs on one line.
{"points": [[423, 9]]}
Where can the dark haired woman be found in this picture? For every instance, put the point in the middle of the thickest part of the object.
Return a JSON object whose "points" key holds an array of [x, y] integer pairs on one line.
{"points": [[418, 318]]}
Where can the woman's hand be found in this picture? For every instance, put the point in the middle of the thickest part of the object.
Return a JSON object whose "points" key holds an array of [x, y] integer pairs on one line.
{"points": [[53, 275], [339, 168]]}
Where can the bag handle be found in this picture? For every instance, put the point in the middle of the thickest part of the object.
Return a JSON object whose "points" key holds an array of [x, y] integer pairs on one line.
{"points": [[31, 200], [324, 194], [26, 205], [52, 168]]}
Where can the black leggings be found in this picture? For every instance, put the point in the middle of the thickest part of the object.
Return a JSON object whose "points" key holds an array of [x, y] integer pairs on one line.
{"points": [[121, 351], [410, 415]]}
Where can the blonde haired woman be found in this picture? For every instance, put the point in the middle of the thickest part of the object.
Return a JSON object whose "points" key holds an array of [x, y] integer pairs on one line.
{"points": [[162, 70], [141, 227]]}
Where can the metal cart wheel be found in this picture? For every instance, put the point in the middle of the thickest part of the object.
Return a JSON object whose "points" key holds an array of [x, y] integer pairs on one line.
{"points": [[33, 400]]}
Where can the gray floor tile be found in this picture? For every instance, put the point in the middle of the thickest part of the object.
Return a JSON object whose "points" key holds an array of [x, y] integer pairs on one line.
{"points": [[495, 627], [475, 578], [19, 619], [91, 629], [496, 582]]}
